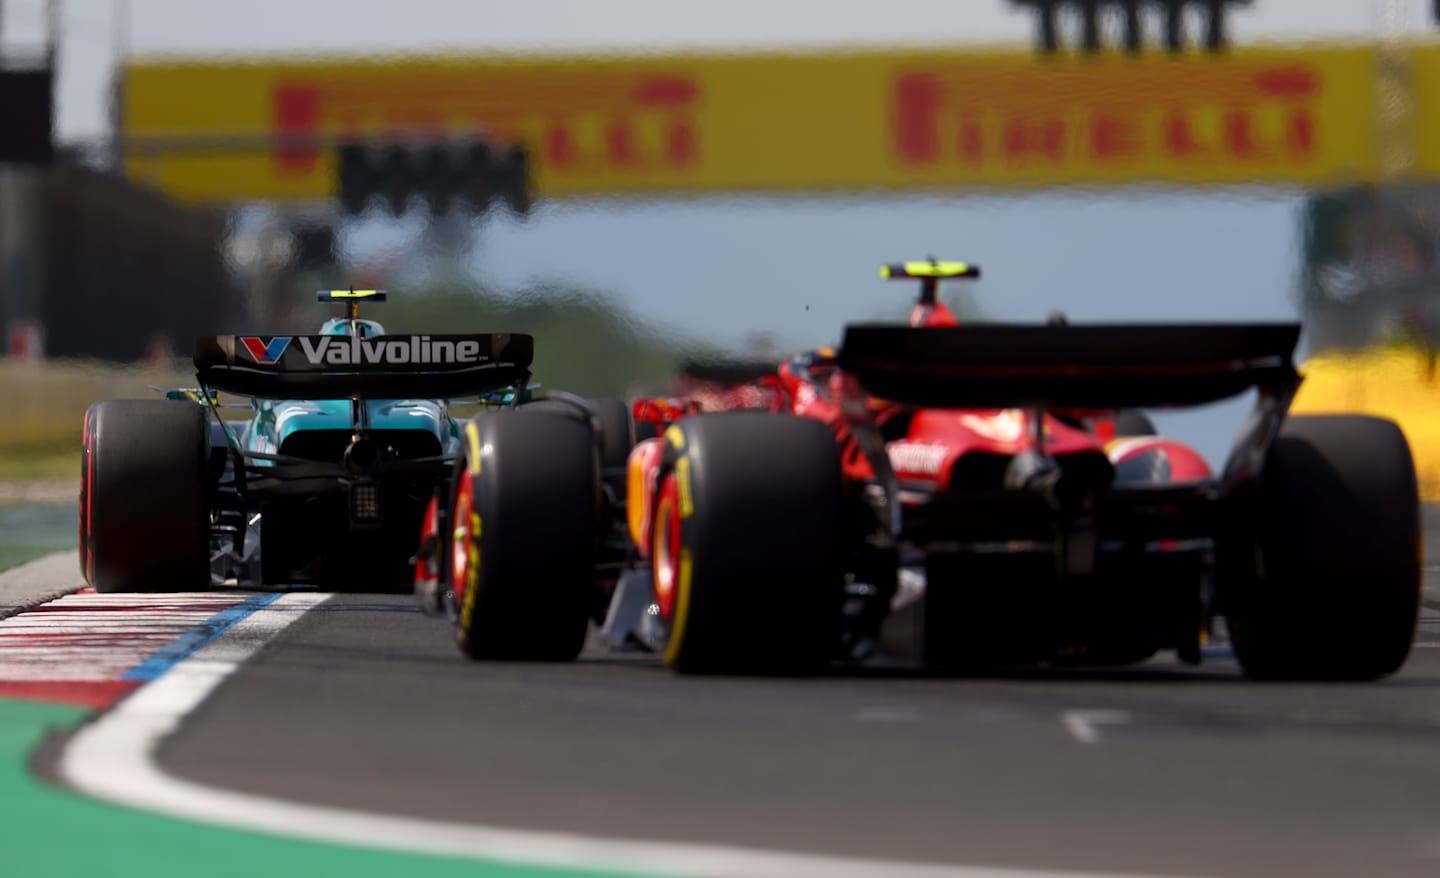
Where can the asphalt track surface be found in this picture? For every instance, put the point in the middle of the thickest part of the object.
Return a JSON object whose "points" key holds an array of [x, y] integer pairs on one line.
{"points": [[365, 704]]}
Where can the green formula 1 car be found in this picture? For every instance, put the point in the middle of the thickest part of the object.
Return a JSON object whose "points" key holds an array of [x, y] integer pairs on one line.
{"points": [[347, 436]]}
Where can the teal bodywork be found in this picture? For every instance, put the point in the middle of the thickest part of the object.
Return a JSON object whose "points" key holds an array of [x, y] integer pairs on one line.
{"points": [[275, 421]]}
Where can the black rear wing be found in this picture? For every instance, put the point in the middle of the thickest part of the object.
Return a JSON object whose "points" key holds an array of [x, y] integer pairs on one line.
{"points": [[728, 372], [382, 367], [1086, 366]]}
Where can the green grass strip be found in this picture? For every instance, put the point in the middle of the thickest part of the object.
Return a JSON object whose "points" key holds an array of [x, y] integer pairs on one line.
{"points": [[50, 832], [31, 530]]}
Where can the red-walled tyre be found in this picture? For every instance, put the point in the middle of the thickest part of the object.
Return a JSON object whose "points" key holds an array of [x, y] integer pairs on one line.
{"points": [[144, 517]]}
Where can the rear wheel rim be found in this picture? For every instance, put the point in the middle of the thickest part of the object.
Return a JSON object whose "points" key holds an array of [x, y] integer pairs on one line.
{"points": [[666, 549], [461, 536]]}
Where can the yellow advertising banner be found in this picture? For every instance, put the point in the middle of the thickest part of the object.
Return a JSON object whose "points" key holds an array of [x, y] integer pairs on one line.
{"points": [[1424, 77], [771, 123]]}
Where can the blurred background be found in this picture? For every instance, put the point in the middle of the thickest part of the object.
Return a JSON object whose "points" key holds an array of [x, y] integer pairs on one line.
{"points": [[639, 181]]}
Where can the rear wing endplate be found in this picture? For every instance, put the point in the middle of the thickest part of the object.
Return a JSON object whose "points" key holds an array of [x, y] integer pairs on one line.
{"points": [[383, 367], [928, 270], [350, 295], [1086, 366]]}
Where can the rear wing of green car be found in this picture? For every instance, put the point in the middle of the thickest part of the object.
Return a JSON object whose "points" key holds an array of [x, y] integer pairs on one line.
{"points": [[382, 367]]}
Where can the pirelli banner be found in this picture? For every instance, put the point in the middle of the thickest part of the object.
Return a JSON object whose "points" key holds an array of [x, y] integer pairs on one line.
{"points": [[772, 123]]}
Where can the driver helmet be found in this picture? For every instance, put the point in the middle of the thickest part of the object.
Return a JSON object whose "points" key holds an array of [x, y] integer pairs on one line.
{"points": [[347, 326]]}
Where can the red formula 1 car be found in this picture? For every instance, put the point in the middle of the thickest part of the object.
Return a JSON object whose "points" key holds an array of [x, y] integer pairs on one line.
{"points": [[950, 492], [708, 386]]}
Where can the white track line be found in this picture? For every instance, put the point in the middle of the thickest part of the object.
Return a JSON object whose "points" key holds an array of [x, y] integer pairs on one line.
{"points": [[1084, 725], [113, 758]]}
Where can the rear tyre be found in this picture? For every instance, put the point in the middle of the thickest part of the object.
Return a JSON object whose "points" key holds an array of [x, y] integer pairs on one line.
{"points": [[748, 544], [617, 433], [144, 516], [1338, 544], [525, 522], [1133, 422]]}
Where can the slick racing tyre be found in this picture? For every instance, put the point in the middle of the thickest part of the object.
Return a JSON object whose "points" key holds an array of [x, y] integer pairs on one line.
{"points": [[525, 522], [617, 434], [1133, 422], [747, 545], [1338, 544], [617, 437], [144, 517]]}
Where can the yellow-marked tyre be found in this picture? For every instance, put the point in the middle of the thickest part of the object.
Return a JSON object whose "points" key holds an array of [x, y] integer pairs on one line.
{"points": [[524, 518], [1338, 586], [748, 544]]}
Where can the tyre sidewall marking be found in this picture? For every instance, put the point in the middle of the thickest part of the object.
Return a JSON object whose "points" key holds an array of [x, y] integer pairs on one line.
{"points": [[472, 439], [682, 609], [87, 481]]}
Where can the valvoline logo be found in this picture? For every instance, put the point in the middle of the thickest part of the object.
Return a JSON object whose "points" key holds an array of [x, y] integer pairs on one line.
{"points": [[354, 351], [263, 352]]}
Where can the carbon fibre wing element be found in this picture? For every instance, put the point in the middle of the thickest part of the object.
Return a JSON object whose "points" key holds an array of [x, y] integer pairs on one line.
{"points": [[1069, 366], [383, 367]]}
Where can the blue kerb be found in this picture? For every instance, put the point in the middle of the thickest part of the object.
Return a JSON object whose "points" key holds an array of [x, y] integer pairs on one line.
{"points": [[186, 644]]}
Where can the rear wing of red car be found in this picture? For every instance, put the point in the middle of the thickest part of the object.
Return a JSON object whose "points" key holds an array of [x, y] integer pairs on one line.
{"points": [[1069, 366], [349, 366], [727, 372]]}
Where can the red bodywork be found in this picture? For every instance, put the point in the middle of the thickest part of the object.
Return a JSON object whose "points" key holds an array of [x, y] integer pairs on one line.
{"points": [[928, 448], [693, 394], [924, 445]]}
